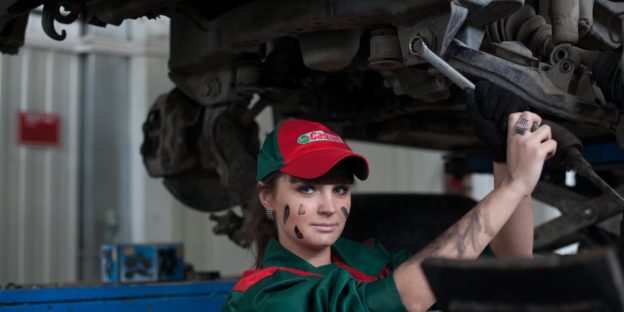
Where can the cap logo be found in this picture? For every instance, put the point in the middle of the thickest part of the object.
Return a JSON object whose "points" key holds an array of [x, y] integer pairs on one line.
{"points": [[318, 135]]}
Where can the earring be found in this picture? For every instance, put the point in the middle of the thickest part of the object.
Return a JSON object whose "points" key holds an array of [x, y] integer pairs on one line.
{"points": [[269, 213]]}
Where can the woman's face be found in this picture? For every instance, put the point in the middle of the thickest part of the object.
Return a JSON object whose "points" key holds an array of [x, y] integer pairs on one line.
{"points": [[308, 216]]}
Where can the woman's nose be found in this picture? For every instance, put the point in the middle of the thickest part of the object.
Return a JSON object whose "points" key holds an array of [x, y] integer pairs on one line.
{"points": [[328, 205]]}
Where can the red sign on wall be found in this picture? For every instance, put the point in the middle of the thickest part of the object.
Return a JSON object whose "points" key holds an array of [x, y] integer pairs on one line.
{"points": [[41, 129]]}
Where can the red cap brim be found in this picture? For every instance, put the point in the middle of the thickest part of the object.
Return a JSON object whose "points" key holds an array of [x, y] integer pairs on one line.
{"points": [[316, 163]]}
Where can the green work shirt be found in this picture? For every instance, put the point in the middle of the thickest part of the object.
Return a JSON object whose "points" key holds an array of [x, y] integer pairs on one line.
{"points": [[358, 279]]}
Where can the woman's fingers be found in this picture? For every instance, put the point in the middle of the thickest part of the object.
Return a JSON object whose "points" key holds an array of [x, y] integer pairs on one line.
{"points": [[528, 147], [550, 148], [522, 122], [542, 134]]}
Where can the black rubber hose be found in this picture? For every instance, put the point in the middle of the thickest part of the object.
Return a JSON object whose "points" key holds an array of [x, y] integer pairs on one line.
{"points": [[608, 75], [569, 156]]}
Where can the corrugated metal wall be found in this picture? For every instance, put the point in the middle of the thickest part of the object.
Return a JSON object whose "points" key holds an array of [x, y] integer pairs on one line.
{"points": [[38, 198], [58, 205]]}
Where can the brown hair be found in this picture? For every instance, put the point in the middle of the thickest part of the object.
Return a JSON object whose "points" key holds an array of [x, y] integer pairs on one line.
{"points": [[263, 228]]}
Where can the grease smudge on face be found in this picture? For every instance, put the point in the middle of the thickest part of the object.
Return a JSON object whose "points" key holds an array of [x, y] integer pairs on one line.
{"points": [[345, 212], [298, 233], [301, 210], [286, 213]]}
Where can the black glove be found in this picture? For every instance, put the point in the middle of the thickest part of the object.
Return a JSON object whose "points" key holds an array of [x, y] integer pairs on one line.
{"points": [[489, 107]]}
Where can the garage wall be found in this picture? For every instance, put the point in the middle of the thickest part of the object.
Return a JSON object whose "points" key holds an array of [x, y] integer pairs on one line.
{"points": [[58, 205], [38, 197]]}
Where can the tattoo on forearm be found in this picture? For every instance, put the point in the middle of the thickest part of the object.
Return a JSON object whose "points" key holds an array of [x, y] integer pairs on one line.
{"points": [[510, 178], [462, 235]]}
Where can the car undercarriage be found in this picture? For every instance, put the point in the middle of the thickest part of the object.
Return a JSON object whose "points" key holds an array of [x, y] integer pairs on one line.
{"points": [[349, 64]]}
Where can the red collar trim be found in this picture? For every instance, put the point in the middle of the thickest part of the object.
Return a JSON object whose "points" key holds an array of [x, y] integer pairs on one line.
{"points": [[251, 277], [357, 274]]}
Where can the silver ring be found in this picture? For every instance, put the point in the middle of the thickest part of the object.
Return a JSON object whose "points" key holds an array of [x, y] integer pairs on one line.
{"points": [[535, 126], [522, 126]]}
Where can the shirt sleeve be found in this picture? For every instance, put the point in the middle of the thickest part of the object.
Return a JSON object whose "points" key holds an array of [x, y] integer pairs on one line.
{"points": [[335, 291]]}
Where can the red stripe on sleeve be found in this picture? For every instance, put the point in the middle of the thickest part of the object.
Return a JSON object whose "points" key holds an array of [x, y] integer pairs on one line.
{"points": [[251, 277]]}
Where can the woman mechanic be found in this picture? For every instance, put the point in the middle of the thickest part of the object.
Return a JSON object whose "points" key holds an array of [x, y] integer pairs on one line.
{"points": [[305, 174]]}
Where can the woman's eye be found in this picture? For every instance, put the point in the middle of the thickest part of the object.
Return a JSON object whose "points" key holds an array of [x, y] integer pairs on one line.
{"points": [[305, 189], [341, 190]]}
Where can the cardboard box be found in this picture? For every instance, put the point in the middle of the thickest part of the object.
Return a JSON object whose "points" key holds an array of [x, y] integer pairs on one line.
{"points": [[136, 263]]}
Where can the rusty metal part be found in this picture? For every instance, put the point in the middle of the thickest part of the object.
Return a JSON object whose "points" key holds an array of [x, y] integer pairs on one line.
{"points": [[495, 10], [564, 17], [586, 17], [329, 50], [385, 49], [535, 86], [419, 84], [577, 55], [456, 20], [255, 22], [577, 213], [230, 145], [515, 52], [246, 78], [230, 224], [206, 155], [526, 27], [209, 86], [244, 28], [167, 148], [169, 151], [608, 75], [569, 146]]}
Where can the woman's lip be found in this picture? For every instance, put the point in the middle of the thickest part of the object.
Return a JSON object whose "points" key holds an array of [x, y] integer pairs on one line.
{"points": [[325, 227]]}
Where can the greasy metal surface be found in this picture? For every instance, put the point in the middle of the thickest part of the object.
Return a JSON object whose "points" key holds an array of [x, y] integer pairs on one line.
{"points": [[222, 53], [564, 16], [264, 20], [532, 85], [456, 20], [385, 50], [515, 52], [577, 214], [526, 27], [329, 50], [168, 149]]}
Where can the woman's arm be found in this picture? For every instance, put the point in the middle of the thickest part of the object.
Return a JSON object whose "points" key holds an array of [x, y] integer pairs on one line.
{"points": [[515, 239], [467, 238]]}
